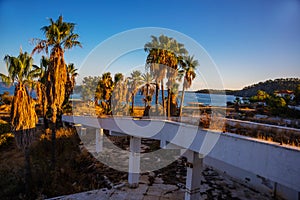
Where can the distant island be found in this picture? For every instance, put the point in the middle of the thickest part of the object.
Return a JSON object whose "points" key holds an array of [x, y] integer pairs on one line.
{"points": [[214, 91], [269, 86]]}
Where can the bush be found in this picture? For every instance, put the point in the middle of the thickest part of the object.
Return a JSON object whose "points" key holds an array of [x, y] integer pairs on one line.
{"points": [[4, 127], [6, 139]]}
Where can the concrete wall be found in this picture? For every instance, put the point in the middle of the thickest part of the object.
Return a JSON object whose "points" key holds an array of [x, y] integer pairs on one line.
{"points": [[261, 164]]}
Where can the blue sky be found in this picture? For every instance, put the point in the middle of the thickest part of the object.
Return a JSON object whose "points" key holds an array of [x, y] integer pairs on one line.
{"points": [[249, 41]]}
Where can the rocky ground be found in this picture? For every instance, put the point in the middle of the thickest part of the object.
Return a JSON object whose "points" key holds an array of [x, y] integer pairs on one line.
{"points": [[213, 186]]}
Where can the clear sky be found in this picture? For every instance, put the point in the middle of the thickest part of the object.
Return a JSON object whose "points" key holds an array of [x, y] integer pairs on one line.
{"points": [[249, 40]]}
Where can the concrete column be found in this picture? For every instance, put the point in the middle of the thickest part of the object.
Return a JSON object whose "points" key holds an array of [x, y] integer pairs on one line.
{"points": [[134, 162], [163, 143], [83, 131], [78, 128], [99, 140], [193, 177]]}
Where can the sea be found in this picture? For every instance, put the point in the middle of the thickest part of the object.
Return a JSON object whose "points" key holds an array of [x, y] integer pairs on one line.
{"points": [[190, 98]]}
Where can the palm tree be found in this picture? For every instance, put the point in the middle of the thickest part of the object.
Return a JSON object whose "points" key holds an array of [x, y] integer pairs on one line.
{"points": [[147, 88], [164, 51], [40, 73], [175, 53], [59, 37], [104, 91], [173, 99], [157, 70], [135, 80], [70, 84], [188, 67], [23, 116], [119, 95]]}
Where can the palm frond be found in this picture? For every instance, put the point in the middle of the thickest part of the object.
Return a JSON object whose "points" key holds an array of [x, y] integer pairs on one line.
{"points": [[6, 79]]}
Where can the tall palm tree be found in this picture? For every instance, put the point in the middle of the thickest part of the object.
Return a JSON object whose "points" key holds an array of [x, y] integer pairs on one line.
{"points": [[104, 92], [40, 73], [188, 67], [23, 116], [70, 83], [154, 63], [148, 87], [135, 80], [59, 37], [119, 95]]}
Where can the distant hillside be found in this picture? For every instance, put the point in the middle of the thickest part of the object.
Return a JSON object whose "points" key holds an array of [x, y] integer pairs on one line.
{"points": [[269, 86], [213, 91]]}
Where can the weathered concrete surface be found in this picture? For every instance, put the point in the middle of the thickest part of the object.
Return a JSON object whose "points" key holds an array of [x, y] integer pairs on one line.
{"points": [[214, 186]]}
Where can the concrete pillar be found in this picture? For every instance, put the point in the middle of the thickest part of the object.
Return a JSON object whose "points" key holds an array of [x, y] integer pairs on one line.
{"points": [[78, 128], [193, 176], [99, 140], [163, 143], [83, 131], [134, 162]]}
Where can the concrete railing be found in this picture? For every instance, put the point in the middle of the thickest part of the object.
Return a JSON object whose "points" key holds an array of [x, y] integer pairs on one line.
{"points": [[274, 162]]}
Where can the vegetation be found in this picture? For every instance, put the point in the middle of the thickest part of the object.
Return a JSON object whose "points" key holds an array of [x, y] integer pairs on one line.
{"points": [[269, 86], [104, 92], [78, 170], [147, 88], [59, 37], [163, 60], [135, 80], [6, 139], [88, 87], [297, 94], [120, 95], [70, 83], [22, 115], [188, 65], [212, 91], [275, 105]]}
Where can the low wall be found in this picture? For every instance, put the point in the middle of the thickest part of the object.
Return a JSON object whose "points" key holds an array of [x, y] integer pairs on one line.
{"points": [[266, 166]]}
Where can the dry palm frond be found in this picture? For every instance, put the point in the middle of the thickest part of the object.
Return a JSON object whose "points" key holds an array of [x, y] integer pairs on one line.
{"points": [[56, 81], [23, 117]]}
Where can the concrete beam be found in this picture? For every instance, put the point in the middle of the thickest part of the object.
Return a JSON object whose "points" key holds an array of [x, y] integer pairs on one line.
{"points": [[167, 145], [114, 133], [134, 162]]}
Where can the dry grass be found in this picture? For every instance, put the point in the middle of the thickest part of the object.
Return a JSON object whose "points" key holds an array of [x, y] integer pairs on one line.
{"points": [[77, 170], [281, 136]]}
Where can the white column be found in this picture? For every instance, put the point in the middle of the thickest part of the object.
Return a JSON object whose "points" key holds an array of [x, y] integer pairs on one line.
{"points": [[163, 143], [83, 131], [134, 162], [78, 128], [99, 140], [193, 177]]}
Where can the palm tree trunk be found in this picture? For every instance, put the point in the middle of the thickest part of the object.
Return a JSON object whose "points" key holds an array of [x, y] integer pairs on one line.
{"points": [[147, 95], [27, 172], [169, 103], [53, 139], [132, 103], [163, 97], [156, 96], [181, 101]]}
